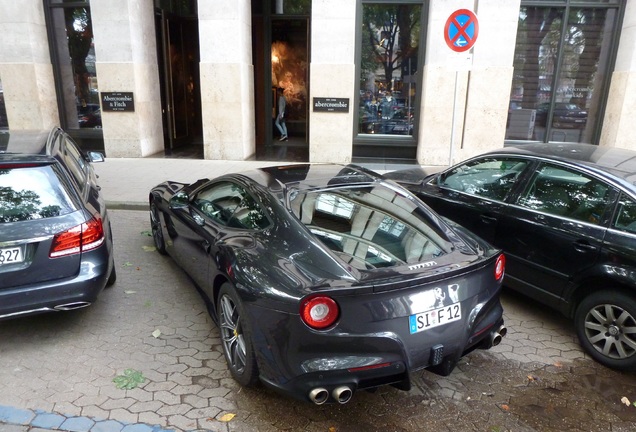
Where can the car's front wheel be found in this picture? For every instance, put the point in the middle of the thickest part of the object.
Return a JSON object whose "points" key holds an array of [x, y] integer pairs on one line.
{"points": [[235, 337], [157, 232], [606, 326]]}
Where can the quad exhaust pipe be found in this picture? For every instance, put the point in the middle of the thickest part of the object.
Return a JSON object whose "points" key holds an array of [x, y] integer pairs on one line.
{"points": [[319, 395], [497, 336], [341, 394]]}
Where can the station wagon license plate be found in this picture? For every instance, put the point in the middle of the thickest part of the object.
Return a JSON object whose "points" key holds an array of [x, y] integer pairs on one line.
{"points": [[11, 255], [433, 318]]}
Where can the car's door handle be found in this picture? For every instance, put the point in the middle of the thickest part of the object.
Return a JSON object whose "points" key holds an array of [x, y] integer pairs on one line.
{"points": [[584, 246], [206, 246]]}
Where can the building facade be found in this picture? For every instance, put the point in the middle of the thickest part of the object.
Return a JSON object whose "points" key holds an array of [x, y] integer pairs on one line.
{"points": [[414, 81]]}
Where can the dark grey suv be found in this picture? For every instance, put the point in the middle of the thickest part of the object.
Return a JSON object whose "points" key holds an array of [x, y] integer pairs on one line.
{"points": [[56, 246]]}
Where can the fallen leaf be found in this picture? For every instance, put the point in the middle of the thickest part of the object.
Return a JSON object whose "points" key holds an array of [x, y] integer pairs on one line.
{"points": [[126, 264], [156, 333], [625, 401], [129, 380], [147, 233], [558, 364], [138, 268], [505, 407], [332, 429], [227, 417], [130, 292], [532, 378], [149, 248]]}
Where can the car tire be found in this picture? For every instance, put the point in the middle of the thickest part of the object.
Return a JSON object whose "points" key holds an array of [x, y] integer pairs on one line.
{"points": [[235, 337], [606, 326], [157, 232], [112, 277]]}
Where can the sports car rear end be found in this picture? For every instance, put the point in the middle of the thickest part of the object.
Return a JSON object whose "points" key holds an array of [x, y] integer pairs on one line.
{"points": [[422, 293]]}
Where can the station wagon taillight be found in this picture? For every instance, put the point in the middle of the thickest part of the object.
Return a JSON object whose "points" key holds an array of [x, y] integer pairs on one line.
{"points": [[80, 238], [319, 312], [500, 267]]}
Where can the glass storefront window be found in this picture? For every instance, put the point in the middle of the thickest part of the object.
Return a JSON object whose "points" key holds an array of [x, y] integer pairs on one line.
{"points": [[77, 78], [388, 68], [560, 73], [291, 7]]}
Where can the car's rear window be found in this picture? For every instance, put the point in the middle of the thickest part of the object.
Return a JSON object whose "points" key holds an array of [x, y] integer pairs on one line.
{"points": [[371, 226], [32, 192]]}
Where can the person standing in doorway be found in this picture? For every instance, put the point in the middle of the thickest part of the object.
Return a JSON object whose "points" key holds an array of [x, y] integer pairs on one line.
{"points": [[280, 118]]}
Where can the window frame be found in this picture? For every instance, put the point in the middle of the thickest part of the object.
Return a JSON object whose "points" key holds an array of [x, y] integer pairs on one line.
{"points": [[390, 141]]}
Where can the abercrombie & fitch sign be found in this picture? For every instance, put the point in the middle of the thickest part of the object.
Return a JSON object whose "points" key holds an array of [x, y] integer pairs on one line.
{"points": [[331, 104], [121, 101]]}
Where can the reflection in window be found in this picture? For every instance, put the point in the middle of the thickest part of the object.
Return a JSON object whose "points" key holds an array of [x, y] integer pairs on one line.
{"points": [[370, 227], [75, 51], [560, 68], [567, 193], [488, 178], [626, 215], [32, 193], [388, 68]]}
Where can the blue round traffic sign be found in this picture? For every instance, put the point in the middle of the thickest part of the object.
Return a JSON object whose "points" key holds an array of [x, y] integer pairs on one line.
{"points": [[461, 30]]}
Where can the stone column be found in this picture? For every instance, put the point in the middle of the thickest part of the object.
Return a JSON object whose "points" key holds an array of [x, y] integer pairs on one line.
{"points": [[332, 74], [126, 61], [465, 95], [227, 79], [618, 130], [25, 66]]}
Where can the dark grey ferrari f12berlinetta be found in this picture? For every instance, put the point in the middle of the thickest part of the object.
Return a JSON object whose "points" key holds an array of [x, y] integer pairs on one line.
{"points": [[326, 279]]}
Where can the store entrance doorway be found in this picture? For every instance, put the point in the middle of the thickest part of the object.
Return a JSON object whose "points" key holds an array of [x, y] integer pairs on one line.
{"points": [[178, 61], [281, 60]]}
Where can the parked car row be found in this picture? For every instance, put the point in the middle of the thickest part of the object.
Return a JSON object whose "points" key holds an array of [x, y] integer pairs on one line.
{"points": [[329, 279]]}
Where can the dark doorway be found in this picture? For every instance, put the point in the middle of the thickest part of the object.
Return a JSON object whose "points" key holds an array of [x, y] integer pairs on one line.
{"points": [[178, 58], [281, 60]]}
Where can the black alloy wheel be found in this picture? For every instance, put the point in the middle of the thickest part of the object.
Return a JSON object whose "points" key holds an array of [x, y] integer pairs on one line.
{"points": [[157, 232], [606, 326], [237, 345]]}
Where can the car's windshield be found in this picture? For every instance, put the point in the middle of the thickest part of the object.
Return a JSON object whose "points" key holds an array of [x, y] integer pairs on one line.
{"points": [[370, 226]]}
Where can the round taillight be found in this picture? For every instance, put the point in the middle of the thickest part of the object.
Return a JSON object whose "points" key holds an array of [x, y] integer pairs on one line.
{"points": [[319, 312], [500, 266]]}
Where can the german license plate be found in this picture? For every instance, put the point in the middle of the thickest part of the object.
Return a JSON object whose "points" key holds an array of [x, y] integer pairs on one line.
{"points": [[11, 255], [433, 318]]}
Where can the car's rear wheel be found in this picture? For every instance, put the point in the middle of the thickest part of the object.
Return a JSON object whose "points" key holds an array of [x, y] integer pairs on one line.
{"points": [[606, 327], [112, 277], [235, 337], [157, 232]]}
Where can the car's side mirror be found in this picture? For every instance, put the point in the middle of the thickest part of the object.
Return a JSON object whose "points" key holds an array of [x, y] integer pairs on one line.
{"points": [[180, 200], [94, 156]]}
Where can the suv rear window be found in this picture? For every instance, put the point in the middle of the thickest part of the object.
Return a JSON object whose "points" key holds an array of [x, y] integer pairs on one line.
{"points": [[34, 192]]}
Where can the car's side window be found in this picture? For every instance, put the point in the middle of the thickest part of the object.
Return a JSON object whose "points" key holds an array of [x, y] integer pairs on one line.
{"points": [[626, 215], [75, 162], [229, 204], [489, 177], [564, 192]]}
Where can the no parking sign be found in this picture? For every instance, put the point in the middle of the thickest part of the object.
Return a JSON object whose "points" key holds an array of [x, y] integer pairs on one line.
{"points": [[461, 30]]}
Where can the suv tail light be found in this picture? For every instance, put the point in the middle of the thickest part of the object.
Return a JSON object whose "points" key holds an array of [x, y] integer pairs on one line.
{"points": [[500, 267], [319, 312], [80, 238]]}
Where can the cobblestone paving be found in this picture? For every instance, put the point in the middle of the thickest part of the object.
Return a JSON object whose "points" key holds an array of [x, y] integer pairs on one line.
{"points": [[64, 364]]}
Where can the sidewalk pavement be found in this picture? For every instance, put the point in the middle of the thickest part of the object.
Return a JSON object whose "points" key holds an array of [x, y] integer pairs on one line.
{"points": [[126, 182]]}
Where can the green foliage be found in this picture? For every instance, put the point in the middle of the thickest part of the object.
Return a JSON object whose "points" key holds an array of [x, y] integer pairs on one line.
{"points": [[129, 380]]}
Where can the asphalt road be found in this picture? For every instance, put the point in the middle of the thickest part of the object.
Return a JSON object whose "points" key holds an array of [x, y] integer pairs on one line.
{"points": [[151, 331]]}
